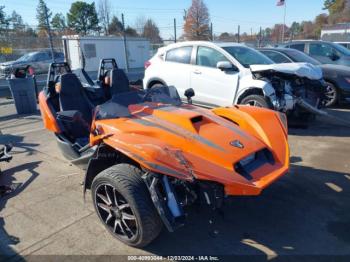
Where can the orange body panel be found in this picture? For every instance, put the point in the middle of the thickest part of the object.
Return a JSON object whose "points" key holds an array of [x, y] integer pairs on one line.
{"points": [[192, 143], [189, 143], [49, 120]]}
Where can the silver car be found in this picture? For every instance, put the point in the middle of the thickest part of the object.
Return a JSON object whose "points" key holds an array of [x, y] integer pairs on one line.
{"points": [[39, 61]]}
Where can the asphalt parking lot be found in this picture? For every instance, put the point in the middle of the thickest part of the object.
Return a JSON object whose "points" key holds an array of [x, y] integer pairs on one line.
{"points": [[307, 212]]}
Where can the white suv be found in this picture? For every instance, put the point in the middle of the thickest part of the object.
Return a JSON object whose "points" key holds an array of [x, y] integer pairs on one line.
{"points": [[222, 74]]}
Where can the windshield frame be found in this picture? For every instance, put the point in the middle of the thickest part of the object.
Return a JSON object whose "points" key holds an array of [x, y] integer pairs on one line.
{"points": [[119, 106], [256, 53], [341, 49]]}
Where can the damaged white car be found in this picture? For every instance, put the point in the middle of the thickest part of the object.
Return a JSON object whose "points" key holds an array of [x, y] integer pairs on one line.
{"points": [[222, 74]]}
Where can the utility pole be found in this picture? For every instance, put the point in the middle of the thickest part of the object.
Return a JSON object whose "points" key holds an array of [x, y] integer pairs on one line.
{"points": [[125, 47], [284, 20], [49, 33], [175, 30], [238, 33], [260, 37], [211, 32]]}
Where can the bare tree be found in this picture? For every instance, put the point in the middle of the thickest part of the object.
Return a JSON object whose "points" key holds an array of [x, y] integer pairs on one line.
{"points": [[115, 27], [140, 22], [151, 32], [104, 13], [197, 21]]}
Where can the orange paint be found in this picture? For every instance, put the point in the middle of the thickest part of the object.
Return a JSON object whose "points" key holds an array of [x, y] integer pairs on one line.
{"points": [[192, 143], [49, 120], [159, 135]]}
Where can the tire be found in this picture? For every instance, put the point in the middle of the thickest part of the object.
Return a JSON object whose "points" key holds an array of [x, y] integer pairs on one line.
{"points": [[134, 220], [158, 84], [331, 95], [256, 100]]}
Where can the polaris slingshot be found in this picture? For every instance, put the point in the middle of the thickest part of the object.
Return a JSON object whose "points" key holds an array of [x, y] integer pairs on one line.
{"points": [[148, 156]]}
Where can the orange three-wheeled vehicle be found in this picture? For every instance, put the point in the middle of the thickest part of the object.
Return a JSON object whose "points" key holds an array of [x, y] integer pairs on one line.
{"points": [[148, 156]]}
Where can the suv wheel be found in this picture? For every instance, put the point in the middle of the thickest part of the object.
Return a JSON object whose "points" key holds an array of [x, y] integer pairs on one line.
{"points": [[157, 84], [256, 100], [331, 95]]}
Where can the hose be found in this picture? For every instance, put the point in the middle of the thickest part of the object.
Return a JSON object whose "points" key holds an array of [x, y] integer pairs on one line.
{"points": [[319, 112]]}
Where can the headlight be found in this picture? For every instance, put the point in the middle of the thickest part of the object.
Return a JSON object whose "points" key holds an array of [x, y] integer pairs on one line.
{"points": [[347, 79], [284, 121]]}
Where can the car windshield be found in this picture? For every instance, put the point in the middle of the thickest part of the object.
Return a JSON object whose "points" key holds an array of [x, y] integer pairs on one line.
{"points": [[298, 56], [27, 57], [118, 105], [341, 49], [247, 56]]}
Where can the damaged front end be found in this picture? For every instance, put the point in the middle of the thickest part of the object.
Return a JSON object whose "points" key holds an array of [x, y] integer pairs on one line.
{"points": [[171, 196], [294, 86]]}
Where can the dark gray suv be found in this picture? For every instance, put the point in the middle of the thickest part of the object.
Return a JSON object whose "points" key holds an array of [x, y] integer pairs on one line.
{"points": [[39, 61], [324, 52]]}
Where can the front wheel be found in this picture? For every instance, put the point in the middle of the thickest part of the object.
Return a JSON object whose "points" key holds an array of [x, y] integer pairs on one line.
{"points": [[331, 95], [123, 204], [256, 100]]}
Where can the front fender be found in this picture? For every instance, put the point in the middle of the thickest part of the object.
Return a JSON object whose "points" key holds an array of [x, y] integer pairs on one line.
{"points": [[151, 154], [247, 83]]}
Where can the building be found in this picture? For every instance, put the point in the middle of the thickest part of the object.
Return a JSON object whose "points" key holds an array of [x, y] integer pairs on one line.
{"points": [[87, 51], [336, 33]]}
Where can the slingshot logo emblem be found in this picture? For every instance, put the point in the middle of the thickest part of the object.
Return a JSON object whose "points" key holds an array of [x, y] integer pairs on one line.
{"points": [[237, 143]]}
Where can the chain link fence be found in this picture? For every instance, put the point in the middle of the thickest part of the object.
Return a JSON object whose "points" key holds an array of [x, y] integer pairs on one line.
{"points": [[14, 47]]}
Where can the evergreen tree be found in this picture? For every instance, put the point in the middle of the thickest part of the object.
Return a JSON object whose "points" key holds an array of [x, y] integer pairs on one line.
{"points": [[41, 12], [58, 22], [82, 18]]}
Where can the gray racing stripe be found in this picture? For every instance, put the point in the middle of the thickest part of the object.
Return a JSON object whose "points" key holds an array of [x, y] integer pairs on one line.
{"points": [[175, 130]]}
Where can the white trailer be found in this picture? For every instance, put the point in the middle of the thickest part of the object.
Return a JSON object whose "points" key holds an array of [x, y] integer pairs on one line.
{"points": [[87, 51]]}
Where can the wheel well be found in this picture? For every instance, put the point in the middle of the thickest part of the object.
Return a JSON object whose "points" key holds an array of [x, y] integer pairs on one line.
{"points": [[104, 158], [332, 82], [153, 82], [250, 91]]}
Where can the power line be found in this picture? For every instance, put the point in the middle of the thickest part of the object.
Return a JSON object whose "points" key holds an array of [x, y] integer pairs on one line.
{"points": [[239, 21], [147, 8]]}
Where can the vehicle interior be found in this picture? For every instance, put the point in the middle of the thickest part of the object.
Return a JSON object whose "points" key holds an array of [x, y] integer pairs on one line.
{"points": [[74, 103]]}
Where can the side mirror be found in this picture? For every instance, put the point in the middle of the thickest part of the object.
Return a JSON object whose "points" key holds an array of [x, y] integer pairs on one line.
{"points": [[226, 66], [189, 93]]}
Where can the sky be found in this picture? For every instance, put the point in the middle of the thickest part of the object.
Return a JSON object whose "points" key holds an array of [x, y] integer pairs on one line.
{"points": [[225, 15]]}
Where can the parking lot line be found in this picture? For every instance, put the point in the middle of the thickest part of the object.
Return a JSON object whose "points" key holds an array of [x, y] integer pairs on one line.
{"points": [[28, 131], [334, 187]]}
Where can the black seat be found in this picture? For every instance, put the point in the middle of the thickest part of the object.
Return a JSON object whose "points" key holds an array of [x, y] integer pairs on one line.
{"points": [[77, 110], [72, 96], [119, 82]]}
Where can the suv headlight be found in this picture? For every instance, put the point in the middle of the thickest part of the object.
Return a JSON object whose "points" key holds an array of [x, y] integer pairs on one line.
{"points": [[284, 121]]}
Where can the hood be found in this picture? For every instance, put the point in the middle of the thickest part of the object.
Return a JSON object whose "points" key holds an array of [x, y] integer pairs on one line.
{"points": [[202, 128], [187, 139], [299, 69], [336, 69], [10, 63]]}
